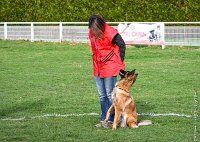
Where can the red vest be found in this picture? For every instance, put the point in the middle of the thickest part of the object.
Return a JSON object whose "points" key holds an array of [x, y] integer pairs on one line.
{"points": [[106, 56]]}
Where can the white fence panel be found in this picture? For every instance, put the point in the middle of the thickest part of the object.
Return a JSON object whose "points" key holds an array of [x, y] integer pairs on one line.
{"points": [[182, 35], [176, 33], [47, 33], [2, 31], [75, 33], [19, 32]]}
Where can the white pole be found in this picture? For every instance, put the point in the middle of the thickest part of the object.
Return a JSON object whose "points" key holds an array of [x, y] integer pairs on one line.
{"points": [[61, 32], [32, 32], [5, 30], [163, 45]]}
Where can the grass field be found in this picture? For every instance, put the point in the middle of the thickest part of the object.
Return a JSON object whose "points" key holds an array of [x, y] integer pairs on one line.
{"points": [[42, 84]]}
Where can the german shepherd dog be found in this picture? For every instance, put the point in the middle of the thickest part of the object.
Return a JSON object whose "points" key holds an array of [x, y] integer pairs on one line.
{"points": [[123, 104]]}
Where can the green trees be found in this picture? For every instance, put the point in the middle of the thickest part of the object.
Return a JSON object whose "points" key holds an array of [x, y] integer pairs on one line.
{"points": [[111, 10]]}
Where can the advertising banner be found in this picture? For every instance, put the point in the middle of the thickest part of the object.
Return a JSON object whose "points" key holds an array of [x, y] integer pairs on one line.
{"points": [[136, 33]]}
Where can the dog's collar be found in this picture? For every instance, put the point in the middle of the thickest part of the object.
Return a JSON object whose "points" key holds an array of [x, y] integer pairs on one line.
{"points": [[122, 90]]}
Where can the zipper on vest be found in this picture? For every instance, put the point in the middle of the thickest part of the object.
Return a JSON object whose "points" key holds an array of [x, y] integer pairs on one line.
{"points": [[99, 67], [95, 45]]}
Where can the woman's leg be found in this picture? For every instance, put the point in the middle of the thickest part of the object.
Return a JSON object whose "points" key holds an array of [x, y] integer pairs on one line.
{"points": [[105, 87], [102, 96], [109, 85]]}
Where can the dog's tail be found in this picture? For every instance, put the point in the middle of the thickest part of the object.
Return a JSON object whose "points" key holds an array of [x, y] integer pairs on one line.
{"points": [[145, 123]]}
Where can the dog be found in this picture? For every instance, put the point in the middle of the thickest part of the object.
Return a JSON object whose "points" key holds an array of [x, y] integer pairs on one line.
{"points": [[123, 103]]}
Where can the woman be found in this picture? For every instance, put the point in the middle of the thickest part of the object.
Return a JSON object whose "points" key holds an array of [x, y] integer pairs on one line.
{"points": [[108, 49]]}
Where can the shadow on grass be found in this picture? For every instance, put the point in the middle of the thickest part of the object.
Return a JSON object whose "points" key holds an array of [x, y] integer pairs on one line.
{"points": [[144, 107], [23, 107]]}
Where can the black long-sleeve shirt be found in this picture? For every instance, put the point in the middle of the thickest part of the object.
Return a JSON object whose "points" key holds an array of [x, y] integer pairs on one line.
{"points": [[122, 46]]}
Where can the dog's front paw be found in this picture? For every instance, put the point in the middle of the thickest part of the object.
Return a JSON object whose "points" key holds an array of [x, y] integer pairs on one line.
{"points": [[114, 128]]}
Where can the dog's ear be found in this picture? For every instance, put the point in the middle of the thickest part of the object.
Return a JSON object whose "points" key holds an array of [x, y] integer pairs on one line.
{"points": [[132, 72]]}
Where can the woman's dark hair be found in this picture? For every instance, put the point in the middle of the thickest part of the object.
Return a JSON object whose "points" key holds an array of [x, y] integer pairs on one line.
{"points": [[97, 25], [96, 19]]}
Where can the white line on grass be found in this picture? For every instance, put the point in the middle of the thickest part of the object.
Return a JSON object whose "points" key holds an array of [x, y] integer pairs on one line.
{"points": [[165, 114], [52, 115], [195, 116], [94, 114]]}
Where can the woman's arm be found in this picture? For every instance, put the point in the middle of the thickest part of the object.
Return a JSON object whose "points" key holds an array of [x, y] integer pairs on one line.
{"points": [[122, 46]]}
